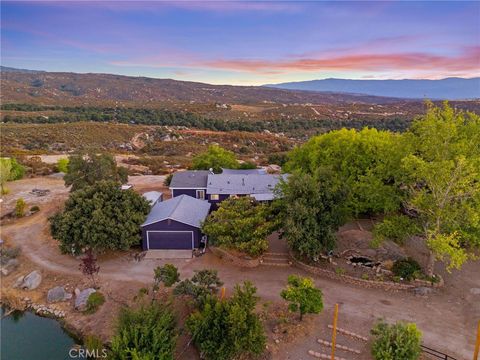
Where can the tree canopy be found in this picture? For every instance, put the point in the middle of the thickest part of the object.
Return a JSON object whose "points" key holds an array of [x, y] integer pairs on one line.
{"points": [[147, 332], [241, 224], [366, 161], [229, 328], [100, 217], [87, 169], [215, 158], [303, 296], [395, 342], [312, 207]]}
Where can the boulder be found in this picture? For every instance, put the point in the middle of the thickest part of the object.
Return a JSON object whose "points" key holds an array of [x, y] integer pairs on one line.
{"points": [[18, 282], [10, 266], [475, 291], [32, 280], [58, 294], [82, 297]]}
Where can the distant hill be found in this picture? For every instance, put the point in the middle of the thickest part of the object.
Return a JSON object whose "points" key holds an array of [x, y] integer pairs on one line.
{"points": [[448, 89], [28, 86]]}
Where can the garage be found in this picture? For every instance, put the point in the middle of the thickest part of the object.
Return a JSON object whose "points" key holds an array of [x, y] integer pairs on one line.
{"points": [[170, 239], [174, 225]]}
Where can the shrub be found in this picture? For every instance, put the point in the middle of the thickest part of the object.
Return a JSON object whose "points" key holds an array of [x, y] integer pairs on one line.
{"points": [[204, 283], [20, 206], [303, 296], [145, 333], [407, 268], [34, 209], [400, 341], [7, 253], [397, 228], [168, 274], [62, 165], [93, 344], [340, 271], [94, 301], [228, 329], [365, 276], [168, 180]]}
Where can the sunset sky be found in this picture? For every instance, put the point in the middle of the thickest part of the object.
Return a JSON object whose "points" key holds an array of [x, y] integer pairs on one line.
{"points": [[245, 42]]}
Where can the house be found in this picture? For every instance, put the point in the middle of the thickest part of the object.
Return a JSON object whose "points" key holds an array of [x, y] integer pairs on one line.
{"points": [[244, 171], [175, 224], [153, 197], [259, 186], [191, 182]]}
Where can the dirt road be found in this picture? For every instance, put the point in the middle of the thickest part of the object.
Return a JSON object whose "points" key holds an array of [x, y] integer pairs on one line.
{"points": [[446, 318]]}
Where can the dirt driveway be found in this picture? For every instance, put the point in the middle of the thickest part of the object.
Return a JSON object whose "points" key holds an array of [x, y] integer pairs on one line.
{"points": [[446, 318]]}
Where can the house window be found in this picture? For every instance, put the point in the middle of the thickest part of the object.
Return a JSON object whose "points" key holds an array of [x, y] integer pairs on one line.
{"points": [[214, 197], [201, 194]]}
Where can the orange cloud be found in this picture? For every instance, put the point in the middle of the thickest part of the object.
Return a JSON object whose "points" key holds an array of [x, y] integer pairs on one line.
{"points": [[468, 60]]}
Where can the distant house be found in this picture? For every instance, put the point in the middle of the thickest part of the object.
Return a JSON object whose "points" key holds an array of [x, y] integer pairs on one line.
{"points": [[153, 197], [175, 224]]}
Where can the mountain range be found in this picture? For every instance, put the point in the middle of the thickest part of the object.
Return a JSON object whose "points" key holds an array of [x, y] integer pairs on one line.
{"points": [[444, 89]]}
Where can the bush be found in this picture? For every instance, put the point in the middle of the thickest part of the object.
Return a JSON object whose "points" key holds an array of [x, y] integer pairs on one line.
{"points": [[7, 253], [34, 209], [145, 333], [397, 228], [303, 296], [62, 165], [168, 180], [94, 344], [94, 301], [400, 341], [407, 268], [228, 329], [168, 274], [202, 284], [20, 208]]}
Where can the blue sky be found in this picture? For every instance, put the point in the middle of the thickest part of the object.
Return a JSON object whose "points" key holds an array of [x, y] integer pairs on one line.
{"points": [[245, 42]]}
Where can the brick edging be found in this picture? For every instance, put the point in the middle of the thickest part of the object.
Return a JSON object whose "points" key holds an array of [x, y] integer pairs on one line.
{"points": [[235, 260], [385, 285]]}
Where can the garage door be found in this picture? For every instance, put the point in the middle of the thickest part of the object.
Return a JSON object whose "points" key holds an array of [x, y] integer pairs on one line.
{"points": [[170, 239]]}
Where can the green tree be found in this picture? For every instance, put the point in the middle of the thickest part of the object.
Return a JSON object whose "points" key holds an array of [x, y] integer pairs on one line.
{"points": [[365, 161], [303, 296], [20, 206], [145, 333], [5, 173], [100, 217], [241, 224], [215, 158], [17, 171], [202, 284], [400, 341], [62, 165], [167, 274], [228, 329], [87, 169], [312, 208], [442, 179]]}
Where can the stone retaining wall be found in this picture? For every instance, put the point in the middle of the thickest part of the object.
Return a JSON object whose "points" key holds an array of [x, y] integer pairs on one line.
{"points": [[385, 285], [233, 259]]}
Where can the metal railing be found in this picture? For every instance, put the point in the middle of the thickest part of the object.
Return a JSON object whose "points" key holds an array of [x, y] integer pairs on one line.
{"points": [[435, 353]]}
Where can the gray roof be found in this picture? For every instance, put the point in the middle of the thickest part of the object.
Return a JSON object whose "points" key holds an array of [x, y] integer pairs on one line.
{"points": [[152, 196], [183, 208], [244, 171], [190, 179], [242, 184]]}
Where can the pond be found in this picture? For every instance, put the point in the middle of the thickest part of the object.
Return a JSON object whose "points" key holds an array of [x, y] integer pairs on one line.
{"points": [[26, 336]]}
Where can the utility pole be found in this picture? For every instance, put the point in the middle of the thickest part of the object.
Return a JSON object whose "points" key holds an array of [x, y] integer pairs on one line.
{"points": [[334, 333], [477, 343]]}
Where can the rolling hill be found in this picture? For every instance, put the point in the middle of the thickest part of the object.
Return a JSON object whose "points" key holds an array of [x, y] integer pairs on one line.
{"points": [[444, 89]]}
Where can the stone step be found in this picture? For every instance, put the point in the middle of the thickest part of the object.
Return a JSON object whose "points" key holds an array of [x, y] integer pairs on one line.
{"points": [[275, 254], [349, 333], [337, 346], [275, 262], [323, 356]]}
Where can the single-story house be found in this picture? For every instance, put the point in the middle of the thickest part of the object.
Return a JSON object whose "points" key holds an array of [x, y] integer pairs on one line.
{"points": [[175, 224], [153, 197], [244, 171]]}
